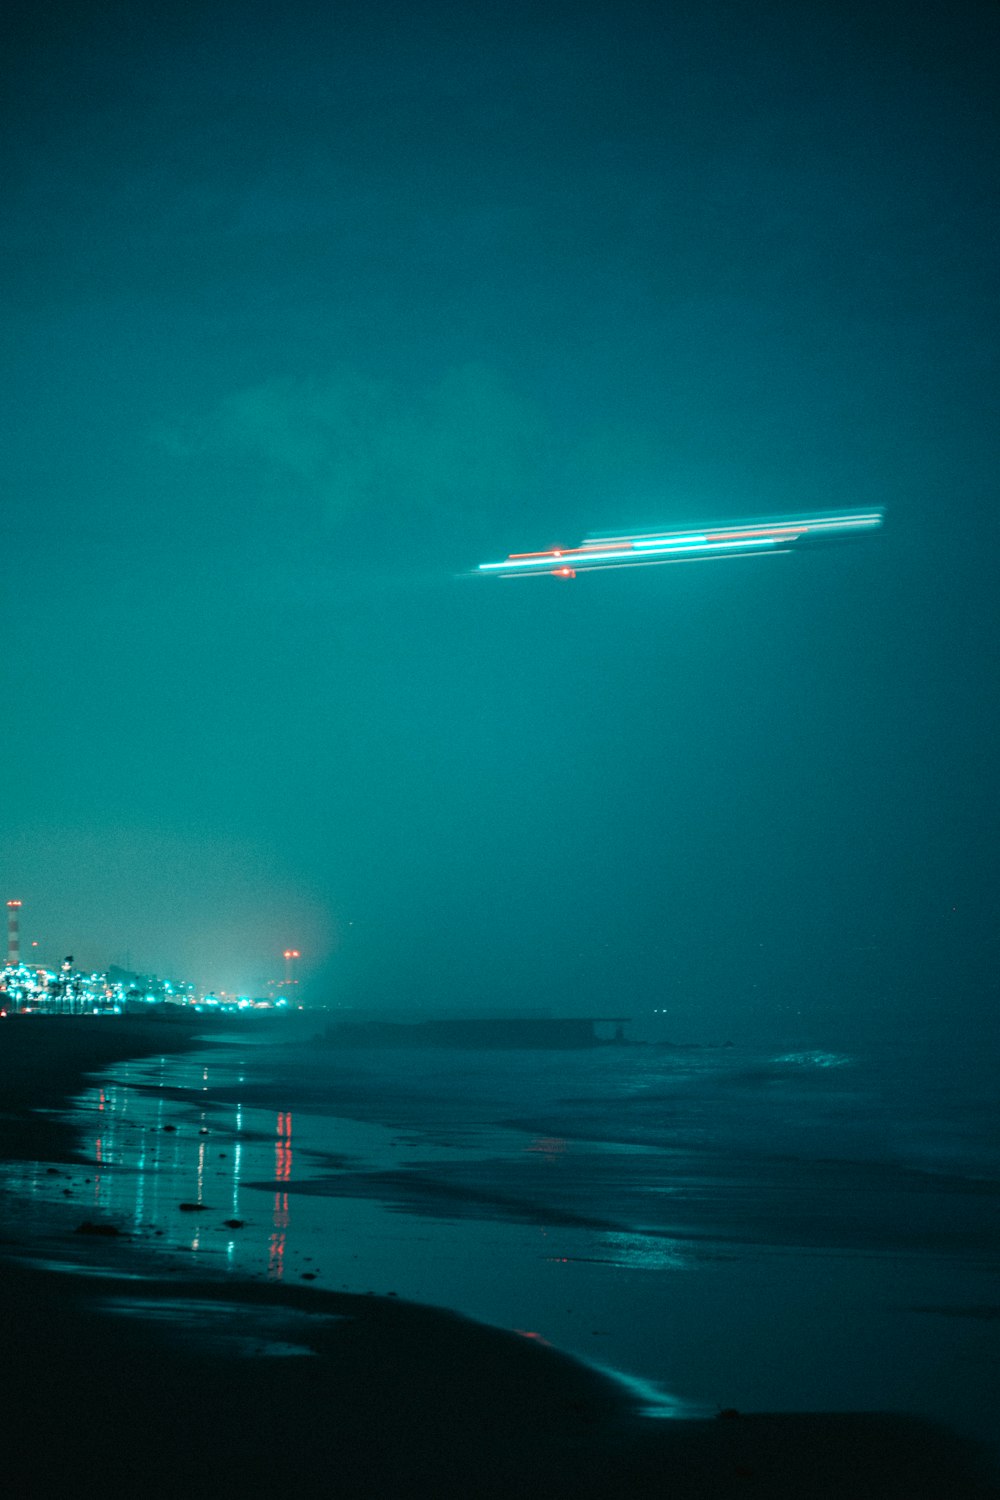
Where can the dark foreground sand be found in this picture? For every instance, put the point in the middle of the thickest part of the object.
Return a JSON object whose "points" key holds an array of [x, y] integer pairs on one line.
{"points": [[391, 1400]]}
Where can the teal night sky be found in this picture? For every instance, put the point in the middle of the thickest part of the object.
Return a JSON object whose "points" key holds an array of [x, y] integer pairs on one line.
{"points": [[307, 310]]}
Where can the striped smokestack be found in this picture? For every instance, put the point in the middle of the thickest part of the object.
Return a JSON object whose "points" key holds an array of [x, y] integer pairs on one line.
{"points": [[13, 932]]}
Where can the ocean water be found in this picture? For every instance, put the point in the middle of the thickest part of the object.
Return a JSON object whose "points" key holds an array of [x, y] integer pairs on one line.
{"points": [[780, 1228]]}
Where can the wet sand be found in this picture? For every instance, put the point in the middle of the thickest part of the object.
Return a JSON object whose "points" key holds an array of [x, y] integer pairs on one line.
{"points": [[382, 1397]]}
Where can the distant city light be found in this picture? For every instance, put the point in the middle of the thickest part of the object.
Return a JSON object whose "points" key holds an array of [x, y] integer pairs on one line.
{"points": [[30, 986]]}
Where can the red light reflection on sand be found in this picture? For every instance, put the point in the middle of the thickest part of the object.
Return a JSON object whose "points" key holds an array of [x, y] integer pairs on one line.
{"points": [[551, 1147], [280, 1215], [276, 1244], [283, 1149]]}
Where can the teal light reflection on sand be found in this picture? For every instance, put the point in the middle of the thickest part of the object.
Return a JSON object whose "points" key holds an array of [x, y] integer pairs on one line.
{"points": [[79, 1267], [644, 1252], [168, 1167], [653, 1401], [247, 1332], [815, 1059], [149, 1152], [633, 1252]]}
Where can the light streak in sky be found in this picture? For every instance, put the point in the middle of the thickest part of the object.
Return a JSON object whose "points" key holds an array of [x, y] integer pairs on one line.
{"points": [[741, 539]]}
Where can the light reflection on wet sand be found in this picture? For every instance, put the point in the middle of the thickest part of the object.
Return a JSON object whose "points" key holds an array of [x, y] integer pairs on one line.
{"points": [[676, 1282], [178, 1170], [226, 1325]]}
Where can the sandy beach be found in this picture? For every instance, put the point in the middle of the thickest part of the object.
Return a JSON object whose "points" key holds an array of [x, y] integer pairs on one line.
{"points": [[220, 1384]]}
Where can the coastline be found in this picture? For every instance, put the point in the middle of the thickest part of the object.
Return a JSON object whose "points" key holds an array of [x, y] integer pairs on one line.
{"points": [[385, 1398], [44, 1060]]}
